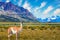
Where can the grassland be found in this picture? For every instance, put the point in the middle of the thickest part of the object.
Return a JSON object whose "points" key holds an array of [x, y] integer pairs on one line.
{"points": [[32, 31]]}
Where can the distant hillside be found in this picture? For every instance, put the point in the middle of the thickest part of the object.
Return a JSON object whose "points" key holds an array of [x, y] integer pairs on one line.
{"points": [[11, 12]]}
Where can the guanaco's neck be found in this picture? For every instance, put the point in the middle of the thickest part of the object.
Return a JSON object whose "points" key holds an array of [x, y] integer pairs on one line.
{"points": [[20, 25]]}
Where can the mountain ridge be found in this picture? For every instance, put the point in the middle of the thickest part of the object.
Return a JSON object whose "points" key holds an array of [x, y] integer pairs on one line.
{"points": [[11, 10]]}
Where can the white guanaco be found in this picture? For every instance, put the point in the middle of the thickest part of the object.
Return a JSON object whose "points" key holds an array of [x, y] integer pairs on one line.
{"points": [[14, 30]]}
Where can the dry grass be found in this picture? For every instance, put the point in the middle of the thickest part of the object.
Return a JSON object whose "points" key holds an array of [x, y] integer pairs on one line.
{"points": [[32, 31], [34, 35]]}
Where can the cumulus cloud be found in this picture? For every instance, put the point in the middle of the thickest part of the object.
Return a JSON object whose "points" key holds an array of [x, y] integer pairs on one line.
{"points": [[45, 13], [20, 2], [43, 4], [37, 10], [7, 1], [57, 12], [48, 10], [53, 18], [27, 6]]}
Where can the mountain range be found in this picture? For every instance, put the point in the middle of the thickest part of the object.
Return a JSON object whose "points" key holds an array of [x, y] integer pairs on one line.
{"points": [[52, 19], [13, 13]]}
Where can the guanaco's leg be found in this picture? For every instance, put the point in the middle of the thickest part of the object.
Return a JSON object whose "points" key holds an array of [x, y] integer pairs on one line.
{"points": [[16, 36], [9, 34]]}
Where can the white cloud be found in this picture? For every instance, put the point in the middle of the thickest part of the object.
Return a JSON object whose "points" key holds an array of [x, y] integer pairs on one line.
{"points": [[20, 2], [27, 6], [7, 1], [53, 18], [37, 10], [57, 12], [48, 10], [45, 13], [43, 4]]}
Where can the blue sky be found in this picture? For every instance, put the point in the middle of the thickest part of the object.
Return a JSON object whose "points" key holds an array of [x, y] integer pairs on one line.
{"points": [[39, 8]]}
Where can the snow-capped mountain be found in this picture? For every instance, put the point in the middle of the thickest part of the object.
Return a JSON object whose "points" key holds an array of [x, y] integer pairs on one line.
{"points": [[11, 12], [50, 19]]}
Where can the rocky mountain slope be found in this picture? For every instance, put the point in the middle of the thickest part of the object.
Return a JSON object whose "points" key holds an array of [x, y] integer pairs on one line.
{"points": [[14, 13]]}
